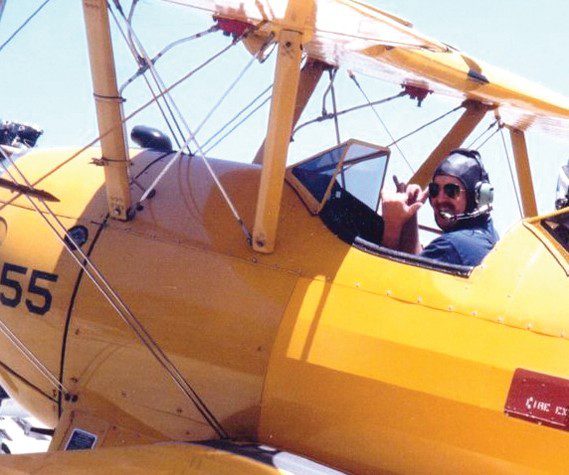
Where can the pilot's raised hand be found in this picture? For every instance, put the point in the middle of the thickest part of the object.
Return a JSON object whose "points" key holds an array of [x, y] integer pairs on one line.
{"points": [[398, 208], [401, 205]]}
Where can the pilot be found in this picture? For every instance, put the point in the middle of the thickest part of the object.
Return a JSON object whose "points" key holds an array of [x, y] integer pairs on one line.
{"points": [[461, 196]]}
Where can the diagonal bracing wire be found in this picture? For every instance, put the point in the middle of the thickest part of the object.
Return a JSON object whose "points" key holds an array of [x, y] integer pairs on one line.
{"points": [[490, 127], [202, 154], [116, 302], [230, 131], [23, 25], [334, 106], [394, 142], [150, 88], [136, 44], [191, 135], [489, 137], [164, 50], [328, 116], [127, 118], [331, 88], [34, 360], [191, 138], [501, 129], [424, 126], [229, 89], [235, 117]]}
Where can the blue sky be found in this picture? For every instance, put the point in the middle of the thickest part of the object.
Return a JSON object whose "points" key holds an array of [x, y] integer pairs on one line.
{"points": [[45, 79]]}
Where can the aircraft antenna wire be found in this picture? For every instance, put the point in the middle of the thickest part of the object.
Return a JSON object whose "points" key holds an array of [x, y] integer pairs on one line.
{"points": [[507, 154], [116, 302], [23, 25], [394, 142]]}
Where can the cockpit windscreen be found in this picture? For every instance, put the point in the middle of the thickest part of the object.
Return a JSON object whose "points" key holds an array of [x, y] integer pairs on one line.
{"points": [[354, 167]]}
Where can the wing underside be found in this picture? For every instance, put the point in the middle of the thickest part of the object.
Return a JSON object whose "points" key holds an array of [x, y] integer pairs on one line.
{"points": [[352, 35]]}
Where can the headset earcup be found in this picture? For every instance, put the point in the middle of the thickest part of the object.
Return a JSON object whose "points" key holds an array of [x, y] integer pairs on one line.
{"points": [[484, 193]]}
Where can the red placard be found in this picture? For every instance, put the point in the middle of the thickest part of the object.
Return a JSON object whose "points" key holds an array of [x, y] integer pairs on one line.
{"points": [[539, 398]]}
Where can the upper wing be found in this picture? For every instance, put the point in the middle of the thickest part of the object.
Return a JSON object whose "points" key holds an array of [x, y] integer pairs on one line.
{"points": [[353, 35], [349, 24]]}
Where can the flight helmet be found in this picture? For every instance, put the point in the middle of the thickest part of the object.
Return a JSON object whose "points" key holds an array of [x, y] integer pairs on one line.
{"points": [[466, 165]]}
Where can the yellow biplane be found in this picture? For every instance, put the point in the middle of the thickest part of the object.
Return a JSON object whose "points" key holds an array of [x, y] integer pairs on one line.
{"points": [[165, 311]]}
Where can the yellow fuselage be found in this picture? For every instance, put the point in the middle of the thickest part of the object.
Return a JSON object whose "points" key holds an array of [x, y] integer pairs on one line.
{"points": [[352, 359]]}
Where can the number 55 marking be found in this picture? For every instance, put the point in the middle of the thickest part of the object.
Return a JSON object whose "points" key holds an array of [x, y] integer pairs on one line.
{"points": [[34, 288]]}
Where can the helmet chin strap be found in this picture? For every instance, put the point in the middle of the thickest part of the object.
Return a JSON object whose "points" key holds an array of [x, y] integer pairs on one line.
{"points": [[462, 216]]}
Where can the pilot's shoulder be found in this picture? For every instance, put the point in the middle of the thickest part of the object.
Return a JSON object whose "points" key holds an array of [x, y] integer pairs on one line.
{"points": [[443, 248]]}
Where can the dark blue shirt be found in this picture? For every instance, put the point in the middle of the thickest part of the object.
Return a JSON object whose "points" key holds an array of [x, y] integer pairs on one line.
{"points": [[466, 244]]}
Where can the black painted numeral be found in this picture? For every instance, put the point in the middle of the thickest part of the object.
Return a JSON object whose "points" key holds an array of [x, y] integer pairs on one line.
{"points": [[13, 284], [44, 293], [41, 304]]}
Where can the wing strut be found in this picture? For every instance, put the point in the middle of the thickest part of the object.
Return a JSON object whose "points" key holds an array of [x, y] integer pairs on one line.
{"points": [[523, 170], [287, 75], [109, 108], [474, 113], [309, 78]]}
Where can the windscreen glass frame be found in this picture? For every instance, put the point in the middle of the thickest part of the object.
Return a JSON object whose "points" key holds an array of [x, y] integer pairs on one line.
{"points": [[314, 178]]}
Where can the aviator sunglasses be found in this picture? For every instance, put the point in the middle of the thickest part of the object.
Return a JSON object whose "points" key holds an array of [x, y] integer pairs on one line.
{"points": [[451, 190]]}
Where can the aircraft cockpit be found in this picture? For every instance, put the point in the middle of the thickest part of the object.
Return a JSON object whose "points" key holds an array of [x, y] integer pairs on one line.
{"points": [[342, 185]]}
